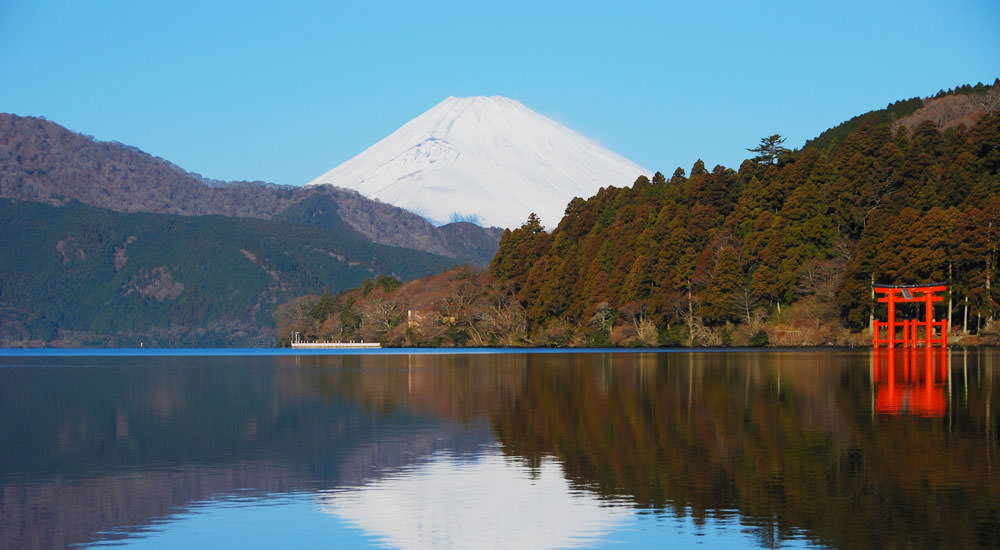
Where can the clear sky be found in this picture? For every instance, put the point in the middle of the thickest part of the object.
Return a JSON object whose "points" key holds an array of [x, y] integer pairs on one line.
{"points": [[283, 91]]}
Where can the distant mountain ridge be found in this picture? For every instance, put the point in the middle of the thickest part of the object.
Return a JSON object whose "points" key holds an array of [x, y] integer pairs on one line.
{"points": [[104, 245], [43, 162], [489, 160]]}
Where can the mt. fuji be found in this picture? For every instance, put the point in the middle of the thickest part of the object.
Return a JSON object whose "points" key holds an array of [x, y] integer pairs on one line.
{"points": [[489, 160]]}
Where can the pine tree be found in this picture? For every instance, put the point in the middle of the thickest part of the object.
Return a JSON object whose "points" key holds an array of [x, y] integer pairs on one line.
{"points": [[770, 151]]}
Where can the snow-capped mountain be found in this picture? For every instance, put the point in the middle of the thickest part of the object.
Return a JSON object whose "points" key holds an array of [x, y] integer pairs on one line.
{"points": [[489, 160]]}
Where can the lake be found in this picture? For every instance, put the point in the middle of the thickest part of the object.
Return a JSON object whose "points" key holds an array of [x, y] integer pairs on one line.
{"points": [[701, 449]]}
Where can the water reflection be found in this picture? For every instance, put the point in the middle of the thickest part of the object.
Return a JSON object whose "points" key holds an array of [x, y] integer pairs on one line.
{"points": [[490, 501], [910, 381], [574, 449]]}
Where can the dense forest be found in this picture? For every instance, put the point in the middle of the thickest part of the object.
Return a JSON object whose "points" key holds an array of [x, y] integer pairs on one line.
{"points": [[782, 251], [79, 275]]}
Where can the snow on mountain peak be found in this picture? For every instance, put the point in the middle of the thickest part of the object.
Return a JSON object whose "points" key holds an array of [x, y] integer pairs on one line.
{"points": [[489, 160]]}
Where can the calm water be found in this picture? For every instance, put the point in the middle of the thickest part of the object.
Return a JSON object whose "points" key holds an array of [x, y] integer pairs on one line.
{"points": [[706, 449]]}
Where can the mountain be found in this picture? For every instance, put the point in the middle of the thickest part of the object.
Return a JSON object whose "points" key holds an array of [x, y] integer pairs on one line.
{"points": [[41, 161], [783, 250], [79, 275], [106, 245], [488, 160]]}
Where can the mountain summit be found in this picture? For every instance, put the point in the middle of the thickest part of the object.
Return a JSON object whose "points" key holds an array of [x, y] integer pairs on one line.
{"points": [[489, 160]]}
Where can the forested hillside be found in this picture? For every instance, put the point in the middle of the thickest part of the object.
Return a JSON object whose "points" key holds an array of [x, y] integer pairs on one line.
{"points": [[732, 247], [104, 244], [79, 275], [782, 251]]}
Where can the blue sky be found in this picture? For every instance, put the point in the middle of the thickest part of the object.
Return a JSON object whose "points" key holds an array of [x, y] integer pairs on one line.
{"points": [[284, 91]]}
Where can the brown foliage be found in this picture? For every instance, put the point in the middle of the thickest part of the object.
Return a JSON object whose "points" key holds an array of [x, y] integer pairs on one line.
{"points": [[461, 306]]}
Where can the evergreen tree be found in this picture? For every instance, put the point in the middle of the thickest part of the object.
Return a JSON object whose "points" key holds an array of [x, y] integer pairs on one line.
{"points": [[770, 151]]}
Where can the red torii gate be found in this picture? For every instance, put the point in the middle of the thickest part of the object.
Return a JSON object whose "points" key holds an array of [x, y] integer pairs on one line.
{"points": [[902, 294]]}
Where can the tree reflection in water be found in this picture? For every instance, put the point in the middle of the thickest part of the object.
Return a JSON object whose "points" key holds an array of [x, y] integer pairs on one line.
{"points": [[846, 448], [787, 440]]}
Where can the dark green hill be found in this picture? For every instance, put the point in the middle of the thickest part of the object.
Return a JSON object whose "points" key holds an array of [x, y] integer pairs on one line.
{"points": [[83, 275], [717, 257], [961, 105], [832, 138]]}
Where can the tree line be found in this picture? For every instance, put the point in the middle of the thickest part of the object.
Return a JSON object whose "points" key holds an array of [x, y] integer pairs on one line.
{"points": [[733, 248]]}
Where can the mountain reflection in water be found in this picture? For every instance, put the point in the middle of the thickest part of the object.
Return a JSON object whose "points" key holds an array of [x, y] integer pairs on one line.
{"points": [[474, 503], [828, 448]]}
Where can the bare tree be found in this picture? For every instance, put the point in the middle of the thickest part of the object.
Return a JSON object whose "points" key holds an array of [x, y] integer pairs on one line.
{"points": [[603, 317], [381, 315], [506, 321]]}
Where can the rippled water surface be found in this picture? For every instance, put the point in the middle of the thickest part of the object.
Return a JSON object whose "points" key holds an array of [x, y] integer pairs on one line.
{"points": [[790, 449]]}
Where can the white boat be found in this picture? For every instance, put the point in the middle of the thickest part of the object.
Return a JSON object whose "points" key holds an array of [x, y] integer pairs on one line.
{"points": [[336, 345]]}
